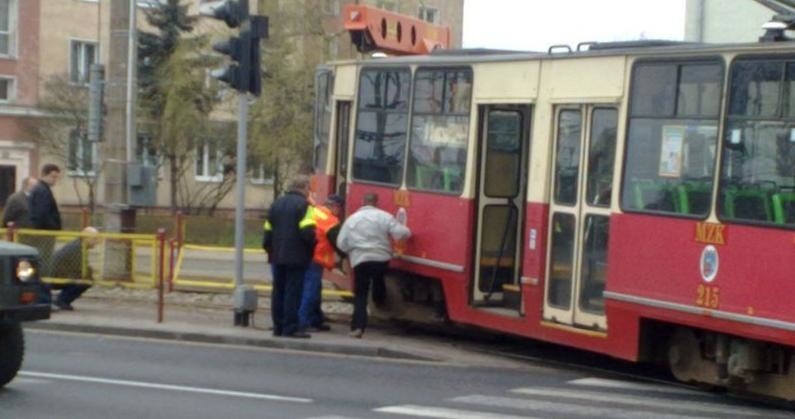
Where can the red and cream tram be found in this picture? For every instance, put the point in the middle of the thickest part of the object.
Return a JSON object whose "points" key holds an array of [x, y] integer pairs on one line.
{"points": [[634, 199]]}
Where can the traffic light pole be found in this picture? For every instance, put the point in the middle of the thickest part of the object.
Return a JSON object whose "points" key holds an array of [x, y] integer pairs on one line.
{"points": [[244, 77], [245, 297]]}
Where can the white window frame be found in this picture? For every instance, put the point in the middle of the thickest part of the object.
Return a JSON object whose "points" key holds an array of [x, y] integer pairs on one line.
{"points": [[80, 171], [205, 156], [13, 29], [12, 89], [85, 72], [142, 147], [423, 14], [257, 175]]}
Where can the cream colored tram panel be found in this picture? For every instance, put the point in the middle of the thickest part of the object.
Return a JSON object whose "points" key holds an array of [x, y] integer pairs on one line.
{"points": [[509, 83], [506, 82], [344, 81]]}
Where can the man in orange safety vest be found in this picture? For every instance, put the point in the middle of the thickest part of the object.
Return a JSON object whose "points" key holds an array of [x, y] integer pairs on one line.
{"points": [[327, 225]]}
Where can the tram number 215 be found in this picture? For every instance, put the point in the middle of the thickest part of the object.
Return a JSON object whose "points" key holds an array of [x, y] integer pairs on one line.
{"points": [[707, 296]]}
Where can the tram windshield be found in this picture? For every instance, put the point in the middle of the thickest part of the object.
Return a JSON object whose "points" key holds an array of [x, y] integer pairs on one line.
{"points": [[758, 175], [439, 129], [381, 125]]}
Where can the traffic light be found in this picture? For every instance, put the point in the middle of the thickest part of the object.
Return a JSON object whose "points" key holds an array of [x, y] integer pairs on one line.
{"points": [[244, 73]]}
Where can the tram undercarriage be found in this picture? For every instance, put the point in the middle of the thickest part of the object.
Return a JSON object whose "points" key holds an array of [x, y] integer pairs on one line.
{"points": [[724, 361]]}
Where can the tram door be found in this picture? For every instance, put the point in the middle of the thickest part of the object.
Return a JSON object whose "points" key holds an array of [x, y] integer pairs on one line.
{"points": [[583, 164], [341, 142], [502, 161]]}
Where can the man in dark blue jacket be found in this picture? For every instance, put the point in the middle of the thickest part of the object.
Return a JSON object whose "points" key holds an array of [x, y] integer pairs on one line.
{"points": [[290, 242], [44, 213]]}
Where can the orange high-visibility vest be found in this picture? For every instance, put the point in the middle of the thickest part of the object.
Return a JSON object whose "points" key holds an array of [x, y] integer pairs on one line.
{"points": [[324, 251]]}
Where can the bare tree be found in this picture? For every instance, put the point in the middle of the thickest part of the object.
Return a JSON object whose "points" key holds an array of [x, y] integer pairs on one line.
{"points": [[61, 132]]}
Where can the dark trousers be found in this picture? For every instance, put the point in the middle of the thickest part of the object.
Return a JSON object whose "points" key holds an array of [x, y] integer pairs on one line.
{"points": [[71, 292], [363, 274], [288, 282], [311, 314]]}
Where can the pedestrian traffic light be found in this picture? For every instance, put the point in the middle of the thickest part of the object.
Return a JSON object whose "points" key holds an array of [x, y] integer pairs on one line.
{"points": [[244, 73]]}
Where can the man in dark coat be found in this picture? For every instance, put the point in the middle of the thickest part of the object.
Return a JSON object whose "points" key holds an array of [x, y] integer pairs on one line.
{"points": [[16, 210], [44, 213], [71, 262], [289, 240]]}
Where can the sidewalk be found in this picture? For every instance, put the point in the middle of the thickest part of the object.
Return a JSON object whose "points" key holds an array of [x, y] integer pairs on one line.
{"points": [[206, 318]]}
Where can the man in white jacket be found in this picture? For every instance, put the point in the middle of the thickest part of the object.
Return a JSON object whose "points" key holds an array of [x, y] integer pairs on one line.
{"points": [[365, 238]]}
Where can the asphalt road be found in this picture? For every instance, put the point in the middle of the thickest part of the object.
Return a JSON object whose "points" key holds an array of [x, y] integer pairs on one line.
{"points": [[88, 376]]}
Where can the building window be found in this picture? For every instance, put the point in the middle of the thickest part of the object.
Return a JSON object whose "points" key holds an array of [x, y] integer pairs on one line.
{"points": [[82, 55], [259, 173], [82, 154], [333, 48], [8, 27], [331, 7], [209, 162], [429, 14], [6, 89], [145, 151], [388, 5]]}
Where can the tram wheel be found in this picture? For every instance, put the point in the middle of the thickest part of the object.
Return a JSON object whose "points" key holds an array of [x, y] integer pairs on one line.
{"points": [[684, 354]]}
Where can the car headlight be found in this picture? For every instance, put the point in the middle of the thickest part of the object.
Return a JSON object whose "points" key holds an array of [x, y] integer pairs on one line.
{"points": [[25, 270]]}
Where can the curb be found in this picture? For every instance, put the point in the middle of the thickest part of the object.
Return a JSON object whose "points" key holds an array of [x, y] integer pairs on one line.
{"points": [[286, 344]]}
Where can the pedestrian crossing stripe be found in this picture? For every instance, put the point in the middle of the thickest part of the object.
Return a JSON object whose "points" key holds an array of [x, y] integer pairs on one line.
{"points": [[632, 385], [569, 409], [443, 413], [645, 401]]}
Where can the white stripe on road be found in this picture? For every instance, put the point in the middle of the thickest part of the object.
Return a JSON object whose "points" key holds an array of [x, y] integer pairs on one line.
{"points": [[624, 399], [22, 380], [564, 408], [170, 387], [442, 413], [631, 385]]}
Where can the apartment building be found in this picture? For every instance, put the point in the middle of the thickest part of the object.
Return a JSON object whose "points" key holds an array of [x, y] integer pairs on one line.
{"points": [[19, 90], [44, 39], [725, 21]]}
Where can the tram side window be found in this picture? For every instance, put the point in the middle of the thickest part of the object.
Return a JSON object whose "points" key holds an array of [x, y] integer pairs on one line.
{"points": [[672, 138], [381, 125], [758, 176], [439, 129], [324, 84]]}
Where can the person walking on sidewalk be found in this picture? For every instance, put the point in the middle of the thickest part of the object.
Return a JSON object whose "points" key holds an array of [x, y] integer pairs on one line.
{"points": [[289, 240], [44, 213], [365, 238], [71, 262], [17, 210], [327, 225]]}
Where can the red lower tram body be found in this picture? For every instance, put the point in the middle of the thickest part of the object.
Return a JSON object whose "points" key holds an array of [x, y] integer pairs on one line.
{"points": [[662, 293]]}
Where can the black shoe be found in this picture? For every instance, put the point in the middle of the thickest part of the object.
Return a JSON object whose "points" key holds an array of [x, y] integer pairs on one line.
{"points": [[321, 328], [64, 306], [299, 335]]}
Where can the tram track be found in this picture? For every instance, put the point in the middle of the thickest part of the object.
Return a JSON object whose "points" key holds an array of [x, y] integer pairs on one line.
{"points": [[572, 359]]}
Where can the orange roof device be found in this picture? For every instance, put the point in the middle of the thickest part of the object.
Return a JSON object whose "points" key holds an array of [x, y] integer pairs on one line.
{"points": [[374, 29]]}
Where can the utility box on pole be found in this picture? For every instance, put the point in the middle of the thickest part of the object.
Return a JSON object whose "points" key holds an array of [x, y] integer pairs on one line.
{"points": [[95, 102]]}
